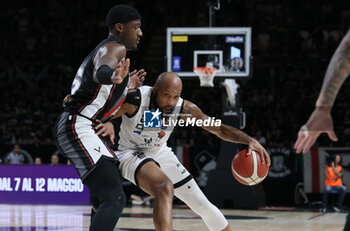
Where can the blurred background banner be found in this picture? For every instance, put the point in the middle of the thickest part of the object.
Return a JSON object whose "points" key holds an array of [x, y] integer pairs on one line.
{"points": [[284, 175], [41, 184]]}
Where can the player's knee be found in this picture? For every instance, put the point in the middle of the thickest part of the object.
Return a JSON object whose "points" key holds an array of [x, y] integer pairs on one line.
{"points": [[118, 203], [164, 188], [94, 201], [115, 202], [122, 199], [117, 196]]}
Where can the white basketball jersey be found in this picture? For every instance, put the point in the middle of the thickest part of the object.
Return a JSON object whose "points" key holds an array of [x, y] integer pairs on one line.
{"points": [[133, 134]]}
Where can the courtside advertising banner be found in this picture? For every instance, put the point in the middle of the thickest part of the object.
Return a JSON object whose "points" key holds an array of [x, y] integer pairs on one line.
{"points": [[41, 184]]}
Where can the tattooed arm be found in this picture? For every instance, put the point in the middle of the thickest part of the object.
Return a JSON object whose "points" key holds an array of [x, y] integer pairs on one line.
{"points": [[337, 71], [223, 131], [320, 120]]}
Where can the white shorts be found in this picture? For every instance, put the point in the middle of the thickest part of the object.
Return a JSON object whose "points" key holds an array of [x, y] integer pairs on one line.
{"points": [[131, 161]]}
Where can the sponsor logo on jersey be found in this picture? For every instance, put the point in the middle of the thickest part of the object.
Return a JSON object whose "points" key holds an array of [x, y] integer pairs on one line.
{"points": [[148, 140], [140, 155], [161, 134], [137, 132]]}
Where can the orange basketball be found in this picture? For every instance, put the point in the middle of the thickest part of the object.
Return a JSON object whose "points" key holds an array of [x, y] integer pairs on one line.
{"points": [[248, 170]]}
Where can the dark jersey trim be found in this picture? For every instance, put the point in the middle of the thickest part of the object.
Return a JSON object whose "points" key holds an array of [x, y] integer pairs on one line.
{"points": [[109, 39], [183, 181], [182, 105], [140, 165], [93, 98]]}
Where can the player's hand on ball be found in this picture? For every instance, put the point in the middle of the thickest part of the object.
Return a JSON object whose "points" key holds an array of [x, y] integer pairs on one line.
{"points": [[254, 145], [137, 78], [248, 169], [319, 122], [106, 129]]}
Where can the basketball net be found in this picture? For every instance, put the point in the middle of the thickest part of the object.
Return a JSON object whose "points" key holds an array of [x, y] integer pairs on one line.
{"points": [[206, 75]]}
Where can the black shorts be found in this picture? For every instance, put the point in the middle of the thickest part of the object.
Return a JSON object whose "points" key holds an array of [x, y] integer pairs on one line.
{"points": [[77, 141]]}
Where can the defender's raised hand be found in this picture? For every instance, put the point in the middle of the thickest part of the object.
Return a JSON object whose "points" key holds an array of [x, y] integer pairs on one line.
{"points": [[121, 72], [137, 78]]}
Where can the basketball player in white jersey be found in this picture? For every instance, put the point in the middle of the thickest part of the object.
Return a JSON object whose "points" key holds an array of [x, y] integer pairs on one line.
{"points": [[147, 161]]}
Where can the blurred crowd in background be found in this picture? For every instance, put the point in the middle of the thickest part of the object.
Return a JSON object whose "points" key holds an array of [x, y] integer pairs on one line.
{"points": [[44, 42]]}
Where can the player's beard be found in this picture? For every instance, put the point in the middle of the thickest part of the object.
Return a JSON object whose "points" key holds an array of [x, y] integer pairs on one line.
{"points": [[155, 105]]}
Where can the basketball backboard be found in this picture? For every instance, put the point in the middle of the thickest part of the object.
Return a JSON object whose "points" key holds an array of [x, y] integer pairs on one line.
{"points": [[226, 48]]}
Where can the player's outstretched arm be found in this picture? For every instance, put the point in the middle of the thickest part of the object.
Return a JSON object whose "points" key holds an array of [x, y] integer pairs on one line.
{"points": [[337, 71], [226, 132], [320, 120], [110, 64]]}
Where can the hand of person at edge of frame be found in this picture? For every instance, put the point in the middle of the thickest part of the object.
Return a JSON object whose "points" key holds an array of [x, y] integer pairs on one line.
{"points": [[105, 129], [121, 72], [319, 122], [137, 78], [254, 145]]}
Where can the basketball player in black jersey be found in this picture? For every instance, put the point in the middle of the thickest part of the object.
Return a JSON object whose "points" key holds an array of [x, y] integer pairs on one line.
{"points": [[321, 120], [98, 90]]}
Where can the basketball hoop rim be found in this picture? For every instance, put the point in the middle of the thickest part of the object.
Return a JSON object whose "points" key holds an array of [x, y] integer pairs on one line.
{"points": [[205, 69]]}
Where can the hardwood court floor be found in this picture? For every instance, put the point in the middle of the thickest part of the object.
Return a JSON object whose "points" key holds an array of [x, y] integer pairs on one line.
{"points": [[74, 218]]}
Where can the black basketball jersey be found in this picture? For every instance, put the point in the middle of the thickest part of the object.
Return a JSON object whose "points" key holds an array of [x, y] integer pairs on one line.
{"points": [[91, 99]]}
